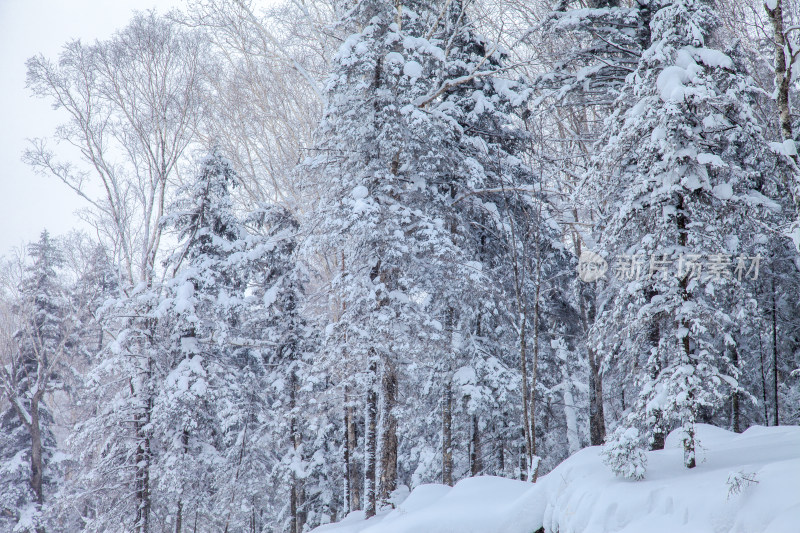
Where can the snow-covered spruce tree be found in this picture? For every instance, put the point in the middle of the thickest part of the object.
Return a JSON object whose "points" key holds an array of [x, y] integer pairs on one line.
{"points": [[27, 442], [300, 432], [679, 173], [378, 218], [95, 281], [112, 447], [153, 436], [421, 152], [234, 405], [506, 225], [387, 218], [203, 307]]}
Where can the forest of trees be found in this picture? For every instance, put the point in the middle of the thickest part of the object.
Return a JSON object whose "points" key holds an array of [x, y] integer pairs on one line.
{"points": [[341, 248]]}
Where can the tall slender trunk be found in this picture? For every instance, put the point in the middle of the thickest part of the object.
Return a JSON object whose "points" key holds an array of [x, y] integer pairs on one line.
{"points": [[388, 467], [370, 442], [501, 449], [597, 418], [36, 451], [735, 409], [763, 380], [523, 463], [597, 422], [354, 479], [179, 513], [533, 466], [475, 462], [659, 431], [143, 454], [689, 452], [142, 474], [520, 273], [447, 400], [447, 433], [776, 418], [783, 67], [296, 440], [179, 517], [37, 462]]}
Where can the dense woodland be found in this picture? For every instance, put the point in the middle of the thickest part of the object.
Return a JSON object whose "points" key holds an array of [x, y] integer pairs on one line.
{"points": [[335, 254]]}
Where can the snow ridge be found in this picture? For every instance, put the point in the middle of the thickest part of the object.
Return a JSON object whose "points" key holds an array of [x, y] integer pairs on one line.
{"points": [[744, 483]]}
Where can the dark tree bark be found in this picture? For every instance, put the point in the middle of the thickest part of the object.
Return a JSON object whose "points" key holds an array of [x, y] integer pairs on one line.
{"points": [[179, 518], [143, 454], [682, 221], [295, 525], [475, 462], [735, 409], [388, 471], [353, 497], [659, 431], [597, 422], [447, 434], [764, 401], [370, 441], [776, 418]]}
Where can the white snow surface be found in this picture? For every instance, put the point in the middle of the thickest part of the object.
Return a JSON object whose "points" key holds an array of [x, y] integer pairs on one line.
{"points": [[581, 495], [412, 69]]}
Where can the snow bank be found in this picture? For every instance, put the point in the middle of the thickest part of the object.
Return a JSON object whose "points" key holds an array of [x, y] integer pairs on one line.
{"points": [[747, 483]]}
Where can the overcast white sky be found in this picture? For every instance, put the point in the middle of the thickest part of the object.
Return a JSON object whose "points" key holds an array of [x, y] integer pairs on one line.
{"points": [[30, 203]]}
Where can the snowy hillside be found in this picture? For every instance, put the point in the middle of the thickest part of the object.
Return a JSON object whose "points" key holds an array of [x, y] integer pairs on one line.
{"points": [[582, 496]]}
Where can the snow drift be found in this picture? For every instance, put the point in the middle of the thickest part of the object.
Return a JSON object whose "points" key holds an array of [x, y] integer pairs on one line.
{"points": [[744, 483]]}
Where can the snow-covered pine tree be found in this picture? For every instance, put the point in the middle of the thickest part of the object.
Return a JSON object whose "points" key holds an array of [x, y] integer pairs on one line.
{"points": [[385, 217], [112, 447], [203, 307], [294, 421], [680, 172], [27, 442], [509, 221], [420, 143]]}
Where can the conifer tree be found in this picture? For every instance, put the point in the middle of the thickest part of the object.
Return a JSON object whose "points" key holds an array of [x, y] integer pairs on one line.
{"points": [[682, 170], [42, 341]]}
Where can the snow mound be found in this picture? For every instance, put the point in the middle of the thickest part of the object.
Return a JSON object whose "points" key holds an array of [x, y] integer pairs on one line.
{"points": [[744, 483]]}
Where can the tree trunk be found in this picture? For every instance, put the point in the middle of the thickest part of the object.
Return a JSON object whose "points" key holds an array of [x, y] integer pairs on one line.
{"points": [[526, 425], [597, 422], [295, 439], [659, 431], [476, 465], [735, 409], [353, 481], [142, 475], [370, 442], [782, 70], [179, 513], [143, 457], [179, 517], [388, 476], [689, 452], [534, 460], [763, 380], [447, 434], [776, 418], [36, 451], [501, 452], [597, 419]]}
